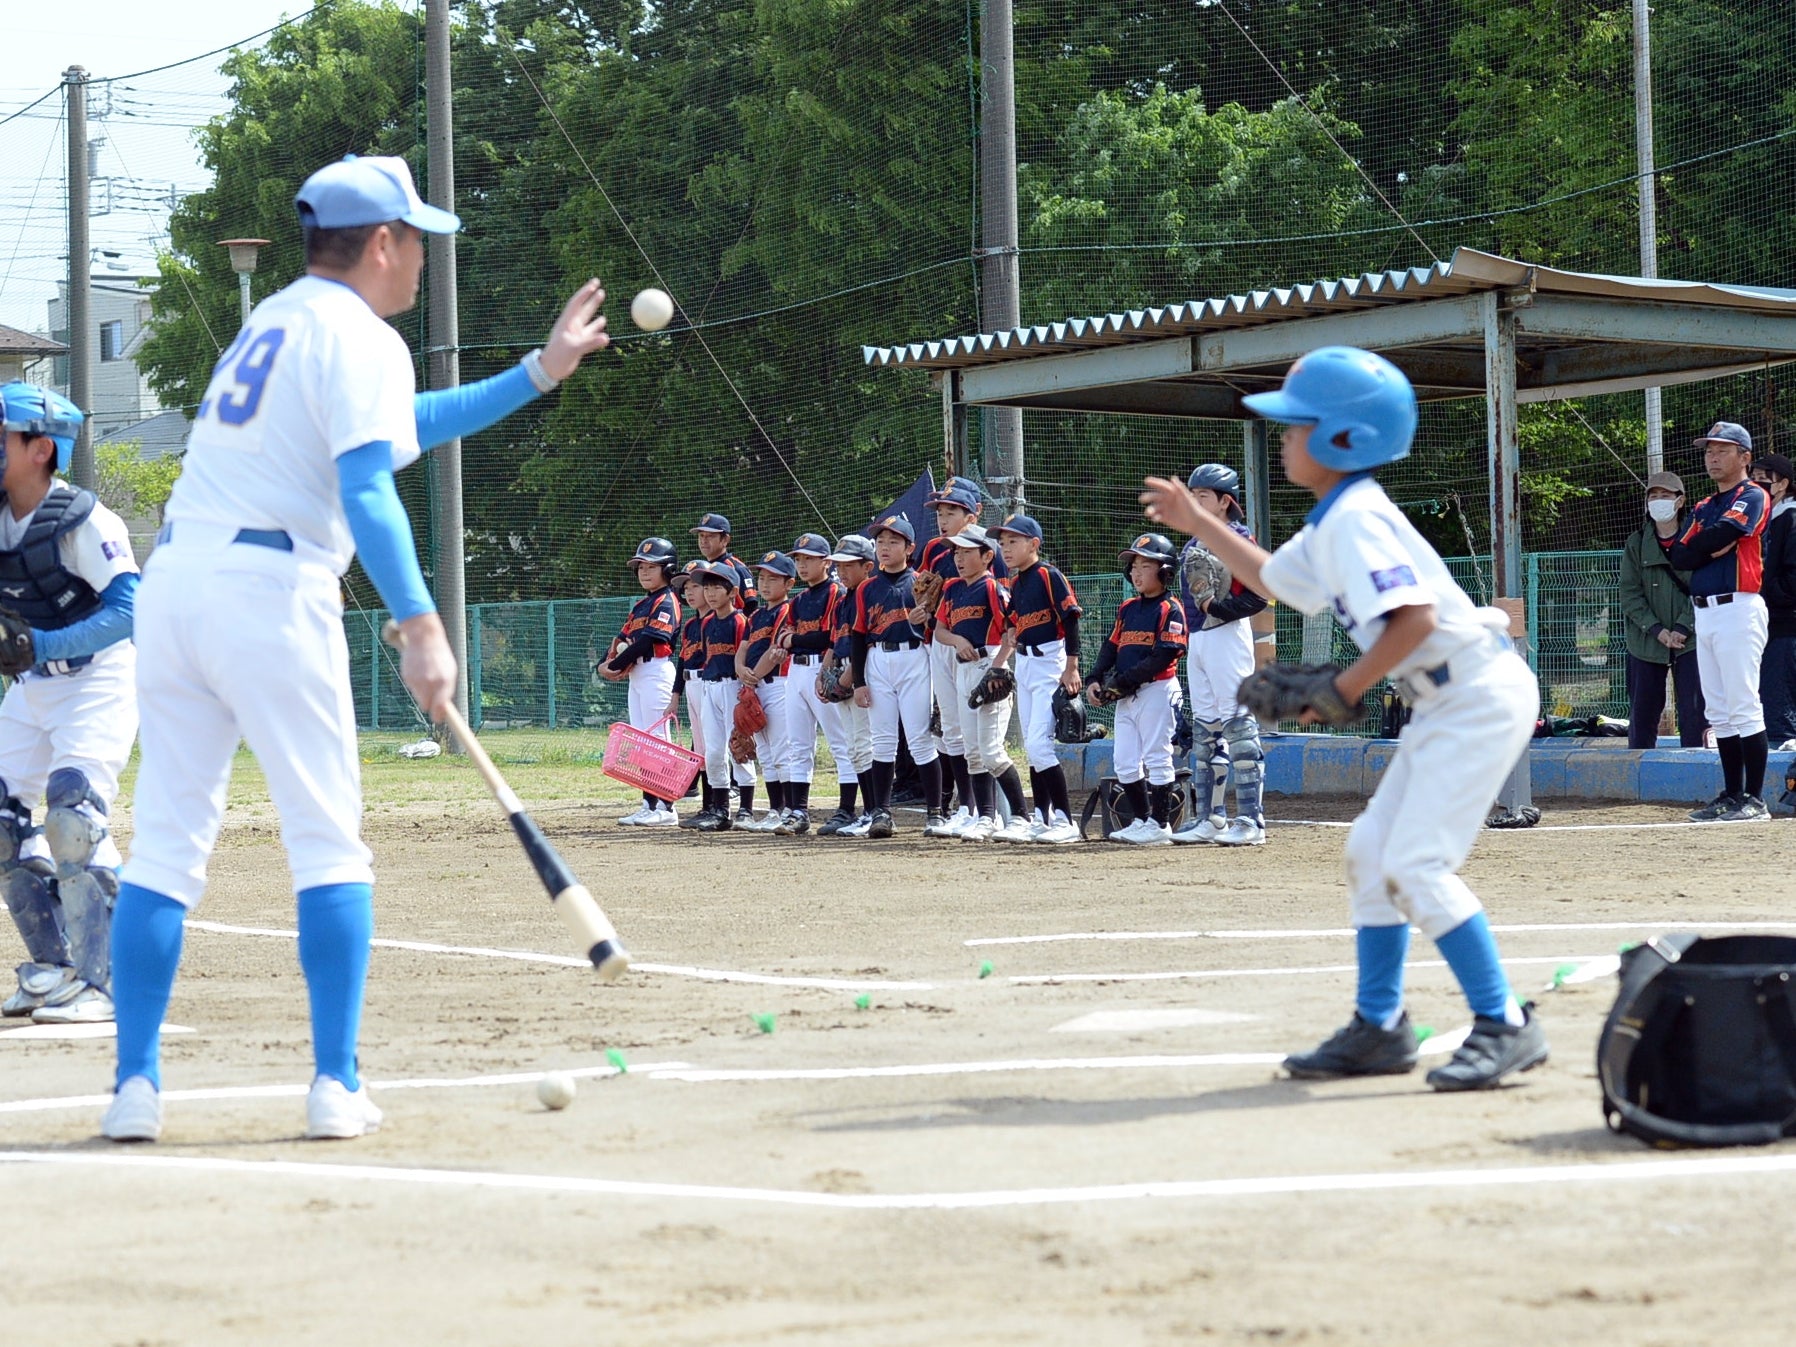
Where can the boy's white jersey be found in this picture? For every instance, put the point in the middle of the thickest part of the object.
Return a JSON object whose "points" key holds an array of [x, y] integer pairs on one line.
{"points": [[315, 374], [1359, 558]]}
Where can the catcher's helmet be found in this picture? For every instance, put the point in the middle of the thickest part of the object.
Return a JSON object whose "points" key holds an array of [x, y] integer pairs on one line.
{"points": [[1221, 479], [34, 411], [1361, 405], [1069, 717], [1155, 547], [656, 552]]}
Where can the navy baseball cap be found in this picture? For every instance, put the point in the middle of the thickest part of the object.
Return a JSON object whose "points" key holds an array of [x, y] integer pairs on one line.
{"points": [[1022, 526], [779, 564], [894, 523], [955, 493], [1725, 432], [718, 570], [811, 545], [712, 523], [687, 572], [1777, 465], [854, 547], [367, 190], [974, 536]]}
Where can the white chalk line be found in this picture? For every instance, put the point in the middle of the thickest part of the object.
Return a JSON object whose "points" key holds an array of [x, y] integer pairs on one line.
{"points": [[1537, 828], [1627, 1171], [1317, 970], [569, 961], [1321, 933]]}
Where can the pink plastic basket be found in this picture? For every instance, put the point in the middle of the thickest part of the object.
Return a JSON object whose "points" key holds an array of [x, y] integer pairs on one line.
{"points": [[659, 766]]}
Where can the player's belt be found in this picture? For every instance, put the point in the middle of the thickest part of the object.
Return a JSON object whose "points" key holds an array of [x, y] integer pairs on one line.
{"points": [[278, 539], [1711, 600], [1038, 650], [889, 646], [807, 657]]}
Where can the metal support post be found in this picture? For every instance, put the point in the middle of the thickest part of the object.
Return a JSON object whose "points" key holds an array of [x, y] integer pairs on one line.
{"points": [[999, 273], [1649, 211], [1505, 461], [79, 308], [1257, 479]]}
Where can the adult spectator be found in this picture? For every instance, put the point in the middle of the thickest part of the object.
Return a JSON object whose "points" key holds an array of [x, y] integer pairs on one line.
{"points": [[1720, 549], [1660, 622], [1777, 670]]}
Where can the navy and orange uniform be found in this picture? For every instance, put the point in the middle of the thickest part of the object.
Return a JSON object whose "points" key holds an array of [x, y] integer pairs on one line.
{"points": [[841, 635], [814, 615], [973, 610], [1721, 547], [746, 597], [1145, 644], [717, 653], [648, 632], [692, 650], [764, 627], [1043, 608], [882, 605]]}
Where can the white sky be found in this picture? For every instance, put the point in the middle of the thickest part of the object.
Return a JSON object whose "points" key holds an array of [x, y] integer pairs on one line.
{"points": [[146, 122]]}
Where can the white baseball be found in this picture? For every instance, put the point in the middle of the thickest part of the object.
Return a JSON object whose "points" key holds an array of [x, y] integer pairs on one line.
{"points": [[556, 1090], [652, 309]]}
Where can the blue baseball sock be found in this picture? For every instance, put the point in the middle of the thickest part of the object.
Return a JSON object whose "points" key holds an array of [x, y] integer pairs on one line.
{"points": [[1471, 952], [336, 924], [1381, 953], [146, 950]]}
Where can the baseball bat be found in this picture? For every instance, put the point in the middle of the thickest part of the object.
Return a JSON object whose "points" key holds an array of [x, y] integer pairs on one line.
{"points": [[594, 935]]}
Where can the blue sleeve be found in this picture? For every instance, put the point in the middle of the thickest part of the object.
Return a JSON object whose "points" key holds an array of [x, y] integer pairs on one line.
{"points": [[93, 634], [446, 414], [383, 535]]}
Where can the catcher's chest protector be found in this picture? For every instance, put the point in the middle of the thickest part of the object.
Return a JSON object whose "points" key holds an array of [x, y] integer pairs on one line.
{"points": [[33, 582], [1700, 1048]]}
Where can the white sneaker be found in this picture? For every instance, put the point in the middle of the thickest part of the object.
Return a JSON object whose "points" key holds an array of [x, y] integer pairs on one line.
{"points": [[665, 817], [858, 828], [1060, 832], [631, 820], [1021, 828], [1243, 832], [952, 826], [90, 1005], [135, 1113], [1201, 830], [334, 1114], [1144, 833], [979, 830]]}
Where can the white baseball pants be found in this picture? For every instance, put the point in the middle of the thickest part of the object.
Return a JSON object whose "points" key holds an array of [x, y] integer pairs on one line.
{"points": [[1036, 678], [858, 722], [1730, 642], [1404, 852], [1143, 733], [237, 641], [1215, 663], [651, 689], [943, 664], [771, 745], [714, 707], [806, 714], [899, 681], [982, 729]]}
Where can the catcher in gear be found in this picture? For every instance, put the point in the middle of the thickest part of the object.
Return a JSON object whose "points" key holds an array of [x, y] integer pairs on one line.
{"points": [[1347, 412]]}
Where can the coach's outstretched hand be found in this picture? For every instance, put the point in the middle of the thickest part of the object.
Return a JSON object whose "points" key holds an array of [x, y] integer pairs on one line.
{"points": [[426, 664], [577, 333], [1165, 501]]}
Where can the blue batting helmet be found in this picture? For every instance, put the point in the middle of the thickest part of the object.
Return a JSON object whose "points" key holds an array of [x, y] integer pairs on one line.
{"points": [[1361, 405], [34, 411], [1221, 479]]}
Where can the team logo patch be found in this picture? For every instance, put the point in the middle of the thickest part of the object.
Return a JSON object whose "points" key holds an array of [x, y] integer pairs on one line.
{"points": [[644, 549], [1142, 541], [112, 551], [1394, 577]]}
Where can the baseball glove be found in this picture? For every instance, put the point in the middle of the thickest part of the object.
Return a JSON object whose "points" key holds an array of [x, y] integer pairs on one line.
{"points": [[995, 686], [928, 590], [829, 685], [1285, 691], [18, 652], [742, 746], [1100, 692], [1205, 576], [751, 716]]}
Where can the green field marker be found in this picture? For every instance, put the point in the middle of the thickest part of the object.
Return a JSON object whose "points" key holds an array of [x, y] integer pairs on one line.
{"points": [[985, 969], [764, 1023], [862, 1002], [616, 1059]]}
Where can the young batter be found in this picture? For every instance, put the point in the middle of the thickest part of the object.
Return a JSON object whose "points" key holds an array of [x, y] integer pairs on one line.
{"points": [[68, 584], [762, 664], [1347, 412], [643, 653], [814, 614]]}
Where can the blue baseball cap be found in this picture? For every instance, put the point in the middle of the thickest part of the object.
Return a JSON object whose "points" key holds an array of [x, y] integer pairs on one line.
{"points": [[894, 523], [1022, 526], [718, 570], [974, 536], [712, 523], [811, 545], [778, 563], [367, 190], [854, 547], [1726, 432], [956, 493]]}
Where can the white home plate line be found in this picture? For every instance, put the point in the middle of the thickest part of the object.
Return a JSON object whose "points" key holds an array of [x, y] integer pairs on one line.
{"points": [[569, 961], [38, 1033], [1344, 932], [1037, 979], [298, 1091], [1537, 828], [1707, 1168]]}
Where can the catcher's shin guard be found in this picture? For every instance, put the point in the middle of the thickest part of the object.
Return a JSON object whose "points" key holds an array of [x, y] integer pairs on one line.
{"points": [[1213, 797], [1248, 759]]}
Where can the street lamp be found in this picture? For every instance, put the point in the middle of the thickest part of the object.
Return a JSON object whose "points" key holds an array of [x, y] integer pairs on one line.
{"points": [[243, 262]]}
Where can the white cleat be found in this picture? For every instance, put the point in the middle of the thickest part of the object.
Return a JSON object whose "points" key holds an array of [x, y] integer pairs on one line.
{"points": [[858, 828], [1144, 833], [335, 1114], [1021, 828], [90, 1005], [39, 984], [659, 818], [1243, 832], [1201, 830], [979, 830], [952, 826], [632, 820], [1062, 831], [135, 1113]]}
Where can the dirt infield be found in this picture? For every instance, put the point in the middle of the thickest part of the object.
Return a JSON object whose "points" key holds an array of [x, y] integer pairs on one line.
{"points": [[1089, 1144]]}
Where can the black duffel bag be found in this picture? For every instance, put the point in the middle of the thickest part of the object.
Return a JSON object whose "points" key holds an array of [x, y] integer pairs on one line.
{"points": [[1700, 1047]]}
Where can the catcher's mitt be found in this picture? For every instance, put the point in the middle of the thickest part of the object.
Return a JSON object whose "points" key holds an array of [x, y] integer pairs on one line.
{"points": [[751, 716], [927, 587], [1205, 576], [742, 746], [18, 652], [1069, 718], [829, 685], [995, 686], [1285, 691]]}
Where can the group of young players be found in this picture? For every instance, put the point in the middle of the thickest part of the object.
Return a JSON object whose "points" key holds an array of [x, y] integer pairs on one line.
{"points": [[884, 637]]}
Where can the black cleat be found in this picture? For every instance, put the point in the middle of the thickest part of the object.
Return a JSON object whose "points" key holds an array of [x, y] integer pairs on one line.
{"points": [[881, 825], [1494, 1049], [710, 821], [836, 822], [796, 823], [1714, 809], [1359, 1048]]}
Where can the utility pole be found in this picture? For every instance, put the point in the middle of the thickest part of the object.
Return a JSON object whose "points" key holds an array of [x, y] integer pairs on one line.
{"points": [[999, 273], [79, 306], [445, 343], [1649, 210]]}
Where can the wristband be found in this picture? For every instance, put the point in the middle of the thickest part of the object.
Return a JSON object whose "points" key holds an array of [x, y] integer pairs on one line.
{"points": [[540, 377]]}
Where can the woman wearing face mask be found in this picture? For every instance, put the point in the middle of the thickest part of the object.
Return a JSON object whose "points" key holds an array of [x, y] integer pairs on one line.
{"points": [[1660, 622], [1777, 668]]}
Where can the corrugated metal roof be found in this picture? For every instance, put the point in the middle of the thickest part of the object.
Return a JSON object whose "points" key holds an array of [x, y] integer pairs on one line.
{"points": [[1467, 272]]}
